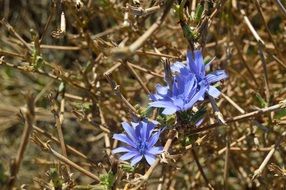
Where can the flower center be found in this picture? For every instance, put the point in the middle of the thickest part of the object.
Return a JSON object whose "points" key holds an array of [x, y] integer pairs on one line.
{"points": [[141, 147]]}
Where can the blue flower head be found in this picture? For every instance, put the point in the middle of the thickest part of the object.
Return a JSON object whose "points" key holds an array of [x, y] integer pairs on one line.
{"points": [[140, 142], [181, 97], [190, 84], [196, 66]]}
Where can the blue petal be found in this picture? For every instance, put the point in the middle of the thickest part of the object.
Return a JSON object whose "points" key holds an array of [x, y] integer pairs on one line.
{"points": [[179, 102], [121, 149], [199, 122], [130, 131], [176, 67], [162, 104], [213, 91], [202, 98], [134, 124], [190, 87], [125, 139], [200, 62], [154, 97], [150, 158], [129, 155], [136, 159], [195, 98], [155, 150], [150, 127], [203, 85], [207, 66], [162, 90], [216, 76], [154, 138], [169, 110], [196, 64], [185, 72], [178, 85], [144, 131]]}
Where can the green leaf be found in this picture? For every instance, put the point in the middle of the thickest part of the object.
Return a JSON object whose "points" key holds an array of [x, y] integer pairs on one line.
{"points": [[281, 113], [107, 180], [144, 112], [55, 177], [190, 117], [196, 117], [166, 120], [261, 101], [39, 62], [199, 12], [127, 168], [189, 33], [85, 106]]}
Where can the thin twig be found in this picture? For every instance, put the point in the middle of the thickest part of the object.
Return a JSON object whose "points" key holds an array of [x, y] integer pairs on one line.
{"points": [[13, 31], [200, 168], [133, 72], [69, 148], [29, 114], [150, 53], [217, 113], [139, 11], [106, 135], [244, 63], [226, 158], [59, 77], [12, 54], [278, 50], [146, 70], [52, 12], [73, 165], [269, 155], [281, 7], [276, 107], [255, 34], [59, 123], [123, 51], [149, 172], [265, 73], [233, 103], [116, 89]]}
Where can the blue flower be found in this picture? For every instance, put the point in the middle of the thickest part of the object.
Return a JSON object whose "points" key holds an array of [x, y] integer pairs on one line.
{"points": [[196, 66], [181, 97], [140, 140], [189, 85]]}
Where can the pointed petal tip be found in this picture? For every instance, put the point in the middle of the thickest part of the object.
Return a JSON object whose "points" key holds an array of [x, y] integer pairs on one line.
{"points": [[169, 111], [213, 91], [129, 155], [136, 159], [119, 150], [150, 159]]}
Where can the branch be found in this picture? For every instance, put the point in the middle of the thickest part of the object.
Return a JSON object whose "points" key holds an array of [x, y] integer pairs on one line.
{"points": [[29, 120], [276, 107]]}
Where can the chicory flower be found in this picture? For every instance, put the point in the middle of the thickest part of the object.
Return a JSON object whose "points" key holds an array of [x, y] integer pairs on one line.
{"points": [[196, 66], [181, 97], [140, 140]]}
